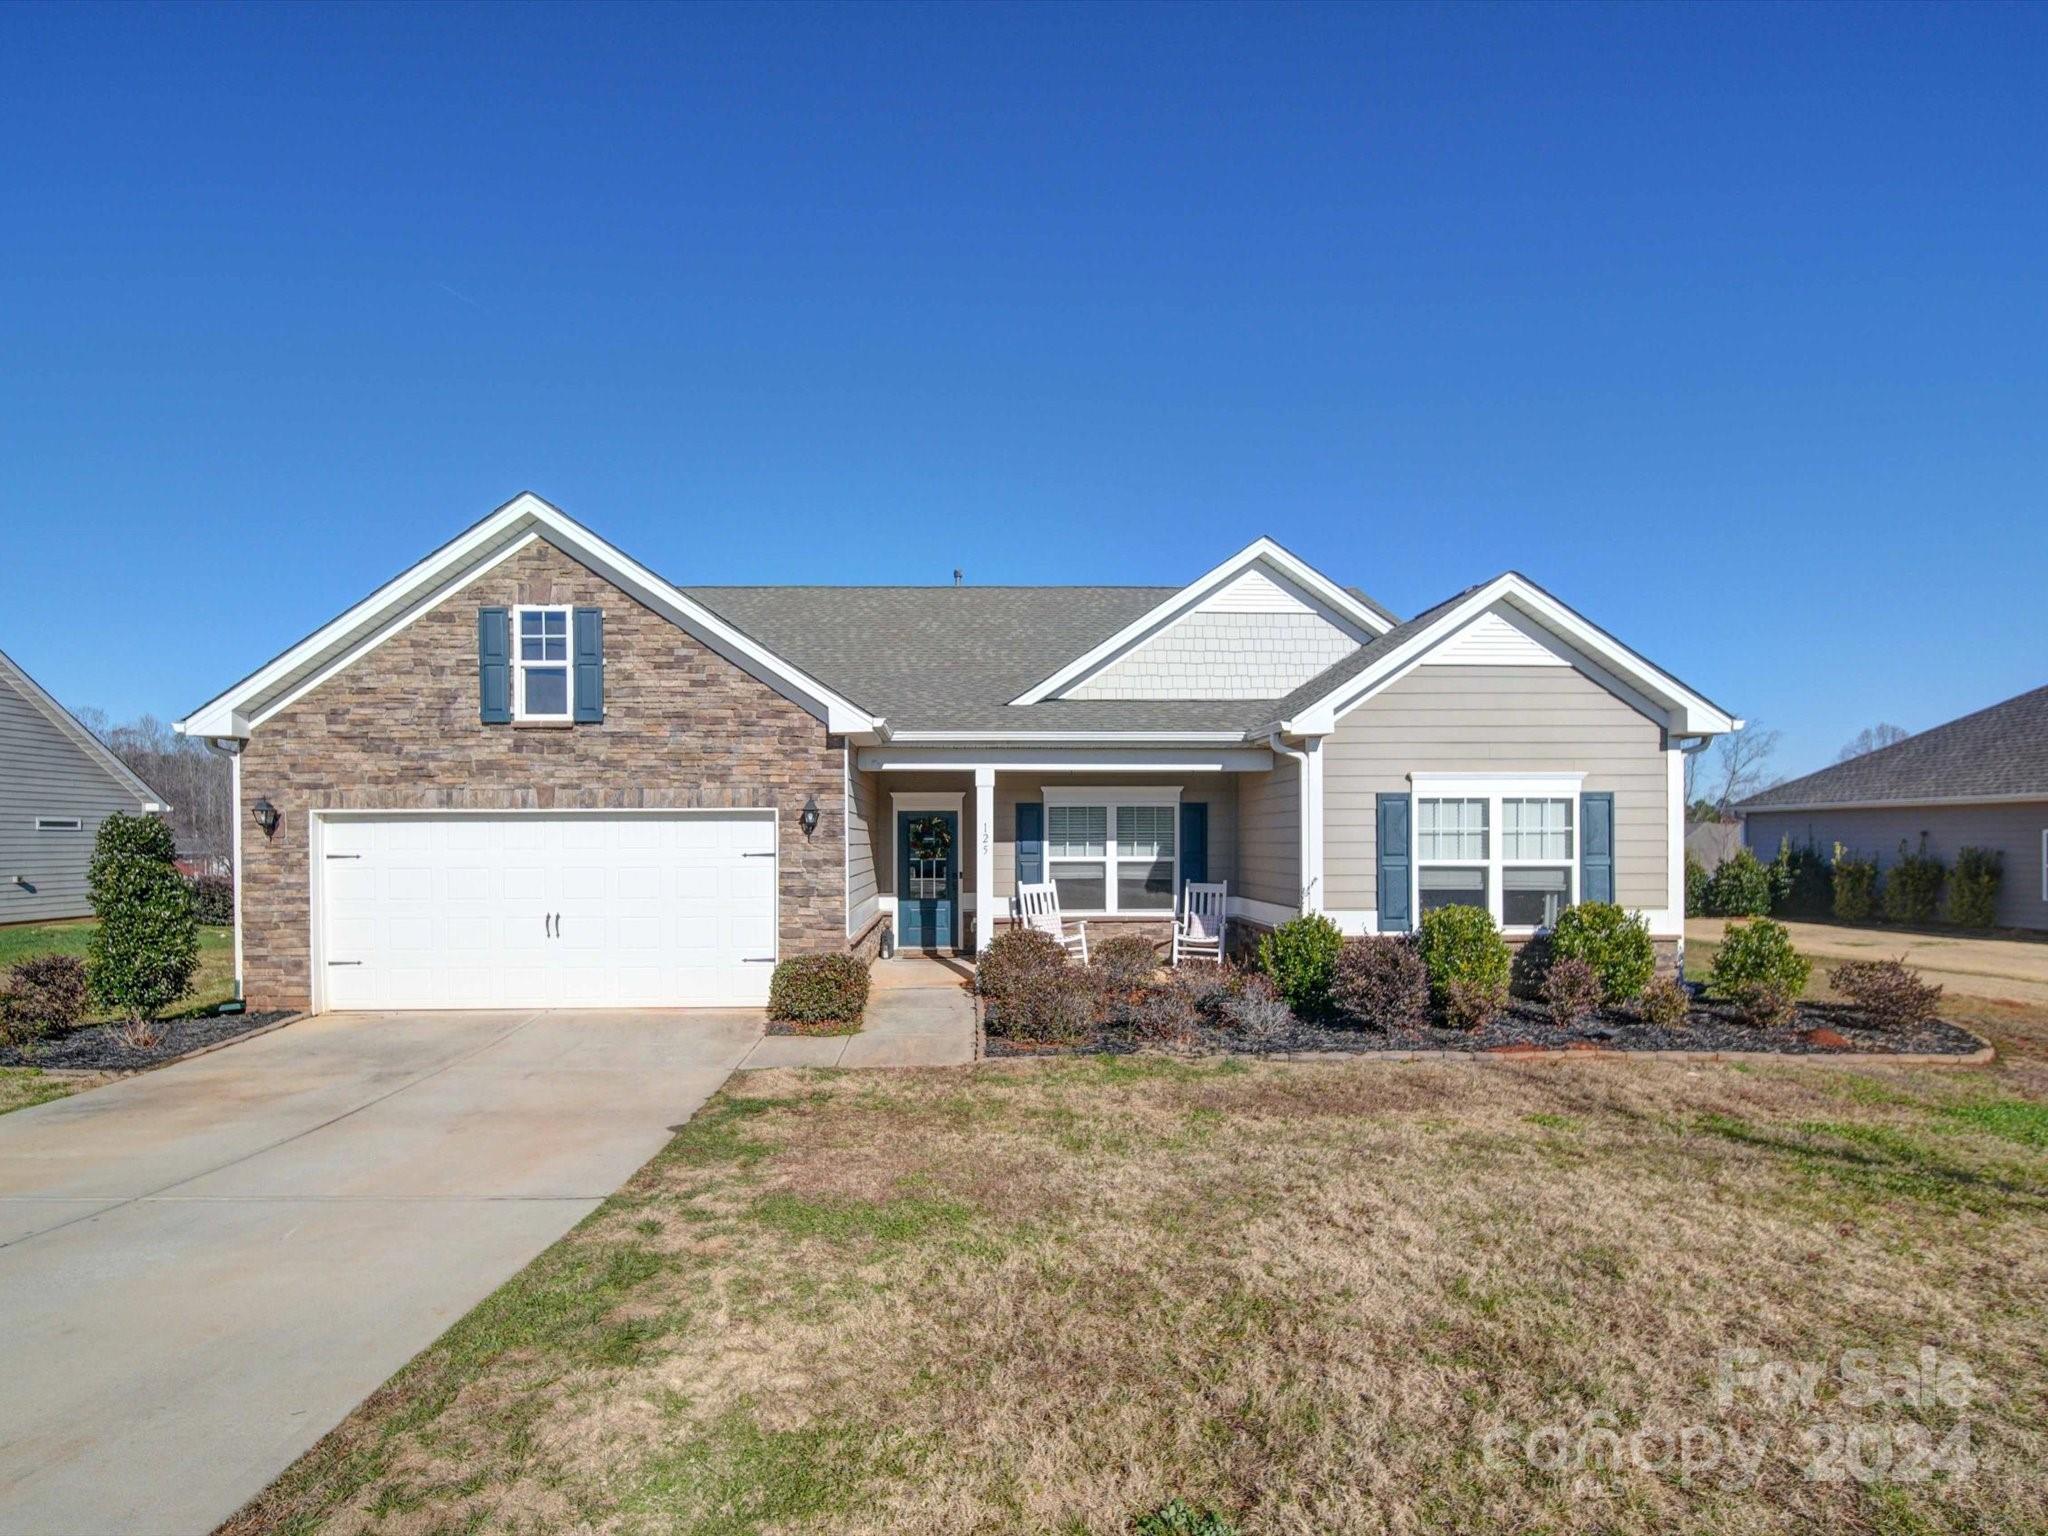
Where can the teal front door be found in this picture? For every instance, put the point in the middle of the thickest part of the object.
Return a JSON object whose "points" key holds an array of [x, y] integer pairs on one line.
{"points": [[928, 878]]}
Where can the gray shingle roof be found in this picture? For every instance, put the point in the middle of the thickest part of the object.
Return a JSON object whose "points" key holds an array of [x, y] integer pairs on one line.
{"points": [[2002, 750]]}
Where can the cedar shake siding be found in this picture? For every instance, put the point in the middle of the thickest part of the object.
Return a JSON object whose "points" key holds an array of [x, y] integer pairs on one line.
{"points": [[399, 729], [1496, 719]]}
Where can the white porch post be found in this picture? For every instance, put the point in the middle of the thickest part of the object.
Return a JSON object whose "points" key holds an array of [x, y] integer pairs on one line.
{"points": [[984, 857]]}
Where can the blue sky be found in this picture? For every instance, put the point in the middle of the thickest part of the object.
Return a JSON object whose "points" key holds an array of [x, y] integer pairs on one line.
{"points": [[1728, 325]]}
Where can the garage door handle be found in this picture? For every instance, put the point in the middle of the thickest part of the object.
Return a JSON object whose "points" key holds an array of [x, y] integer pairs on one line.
{"points": [[760, 960], [769, 855], [344, 855], [344, 962]]}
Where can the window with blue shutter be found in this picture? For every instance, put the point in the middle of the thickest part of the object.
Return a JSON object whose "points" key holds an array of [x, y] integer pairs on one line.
{"points": [[1030, 843], [1596, 847], [1194, 843], [494, 665], [1392, 841], [589, 655]]}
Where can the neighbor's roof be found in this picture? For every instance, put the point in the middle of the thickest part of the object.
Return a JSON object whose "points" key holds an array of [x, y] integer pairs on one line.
{"points": [[1996, 754], [69, 725]]}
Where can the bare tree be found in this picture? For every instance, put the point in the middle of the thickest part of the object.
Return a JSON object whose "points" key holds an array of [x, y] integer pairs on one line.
{"points": [[1870, 738], [196, 782], [1735, 771]]}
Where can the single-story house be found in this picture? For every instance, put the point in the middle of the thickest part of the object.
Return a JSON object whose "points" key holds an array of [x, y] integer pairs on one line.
{"points": [[1977, 782], [58, 782], [531, 771]]}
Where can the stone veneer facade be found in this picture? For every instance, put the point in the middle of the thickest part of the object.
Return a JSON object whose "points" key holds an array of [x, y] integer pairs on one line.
{"points": [[399, 729]]}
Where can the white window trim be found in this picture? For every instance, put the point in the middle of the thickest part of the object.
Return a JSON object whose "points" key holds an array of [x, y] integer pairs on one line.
{"points": [[1112, 800], [567, 664], [1494, 788], [60, 824]]}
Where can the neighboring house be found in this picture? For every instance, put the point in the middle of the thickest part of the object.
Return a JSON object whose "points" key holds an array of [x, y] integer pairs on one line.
{"points": [[1977, 782], [58, 782], [1712, 842], [529, 771]]}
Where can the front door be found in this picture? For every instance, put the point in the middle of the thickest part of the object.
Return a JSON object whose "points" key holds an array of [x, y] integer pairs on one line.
{"points": [[928, 883]]}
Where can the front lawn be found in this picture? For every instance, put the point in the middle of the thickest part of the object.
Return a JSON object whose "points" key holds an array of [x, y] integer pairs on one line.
{"points": [[25, 1087], [1054, 1296], [213, 985]]}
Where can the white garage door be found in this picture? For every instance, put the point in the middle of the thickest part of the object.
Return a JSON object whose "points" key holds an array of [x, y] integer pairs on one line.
{"points": [[606, 910]]}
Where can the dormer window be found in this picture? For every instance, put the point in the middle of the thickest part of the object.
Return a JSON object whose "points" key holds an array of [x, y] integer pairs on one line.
{"points": [[540, 664]]}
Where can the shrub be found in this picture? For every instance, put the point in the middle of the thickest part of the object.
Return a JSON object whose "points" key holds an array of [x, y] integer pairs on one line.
{"points": [[1664, 1003], [1973, 887], [1382, 982], [1759, 972], [1741, 887], [819, 990], [1301, 958], [1801, 882], [1912, 886], [1469, 1004], [1696, 883], [1571, 990], [1257, 1011], [213, 899], [40, 997], [1855, 881], [1054, 1005], [1126, 961], [1206, 984], [1167, 1016], [1889, 993], [1011, 956], [143, 953], [1614, 943], [1460, 945]]}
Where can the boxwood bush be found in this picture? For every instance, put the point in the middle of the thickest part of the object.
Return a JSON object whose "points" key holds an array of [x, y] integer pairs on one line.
{"points": [[819, 993], [1616, 944], [1973, 887], [1300, 957], [1467, 962], [1758, 970]]}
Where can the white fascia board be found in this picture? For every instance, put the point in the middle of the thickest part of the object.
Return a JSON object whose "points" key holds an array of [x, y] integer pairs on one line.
{"points": [[1298, 571], [1240, 759], [232, 713], [1092, 737], [1687, 713]]}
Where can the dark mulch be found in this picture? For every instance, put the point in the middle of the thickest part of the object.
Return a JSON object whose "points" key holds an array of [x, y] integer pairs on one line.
{"points": [[96, 1048], [1526, 1027]]}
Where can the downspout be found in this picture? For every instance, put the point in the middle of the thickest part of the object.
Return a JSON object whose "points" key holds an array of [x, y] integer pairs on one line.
{"points": [[1303, 816], [233, 753]]}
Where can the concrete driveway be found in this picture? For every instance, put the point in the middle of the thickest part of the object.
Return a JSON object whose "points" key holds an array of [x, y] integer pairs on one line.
{"points": [[203, 1269]]}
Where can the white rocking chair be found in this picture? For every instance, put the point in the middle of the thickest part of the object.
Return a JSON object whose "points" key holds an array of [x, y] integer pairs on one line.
{"points": [[1039, 907], [1198, 931]]}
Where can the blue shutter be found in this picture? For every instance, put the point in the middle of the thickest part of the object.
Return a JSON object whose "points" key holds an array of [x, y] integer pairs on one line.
{"points": [[1030, 843], [1391, 838], [589, 657], [1194, 843], [494, 665], [1596, 847]]}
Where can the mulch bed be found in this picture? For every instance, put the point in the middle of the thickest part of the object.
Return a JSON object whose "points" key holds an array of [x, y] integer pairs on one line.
{"points": [[96, 1048], [1820, 1029]]}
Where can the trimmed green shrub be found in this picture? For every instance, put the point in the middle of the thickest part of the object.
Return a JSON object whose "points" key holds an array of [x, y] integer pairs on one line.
{"points": [[1615, 944], [1467, 962], [1664, 1003], [1301, 958], [41, 996], [1889, 993], [819, 990], [1014, 954], [1759, 972], [1127, 961], [1696, 882], [1801, 883], [1571, 990], [1973, 887], [1741, 887], [1855, 882], [213, 899], [144, 951], [1912, 886], [1382, 982]]}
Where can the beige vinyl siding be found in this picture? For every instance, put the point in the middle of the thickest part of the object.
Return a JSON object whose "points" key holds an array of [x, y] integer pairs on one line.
{"points": [[43, 772], [1269, 835], [1496, 719], [862, 856], [2014, 830]]}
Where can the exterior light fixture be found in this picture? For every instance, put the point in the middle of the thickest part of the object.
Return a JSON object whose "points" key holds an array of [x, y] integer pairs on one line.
{"points": [[808, 819], [267, 816]]}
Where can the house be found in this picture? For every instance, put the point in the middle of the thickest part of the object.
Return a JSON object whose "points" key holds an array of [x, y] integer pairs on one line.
{"points": [[530, 771], [1977, 782], [58, 782]]}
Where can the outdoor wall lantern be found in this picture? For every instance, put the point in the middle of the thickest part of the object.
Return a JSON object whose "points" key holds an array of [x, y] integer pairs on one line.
{"points": [[808, 819], [267, 816]]}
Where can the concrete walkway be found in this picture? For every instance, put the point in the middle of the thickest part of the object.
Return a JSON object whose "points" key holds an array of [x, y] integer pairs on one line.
{"points": [[920, 1014], [2015, 970], [206, 1267]]}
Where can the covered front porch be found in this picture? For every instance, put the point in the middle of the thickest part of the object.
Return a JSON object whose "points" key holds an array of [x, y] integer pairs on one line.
{"points": [[936, 842]]}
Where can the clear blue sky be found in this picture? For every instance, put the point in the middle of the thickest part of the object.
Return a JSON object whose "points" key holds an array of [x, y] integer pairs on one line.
{"points": [[1728, 325]]}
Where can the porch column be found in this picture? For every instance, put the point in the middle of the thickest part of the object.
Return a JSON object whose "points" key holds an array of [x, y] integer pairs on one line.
{"points": [[984, 857]]}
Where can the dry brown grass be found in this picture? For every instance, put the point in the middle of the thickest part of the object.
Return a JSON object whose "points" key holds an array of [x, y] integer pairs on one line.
{"points": [[1046, 1296]]}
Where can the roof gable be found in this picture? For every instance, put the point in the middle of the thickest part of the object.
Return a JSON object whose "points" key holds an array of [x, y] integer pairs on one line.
{"points": [[67, 725]]}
